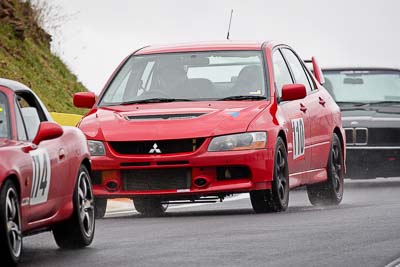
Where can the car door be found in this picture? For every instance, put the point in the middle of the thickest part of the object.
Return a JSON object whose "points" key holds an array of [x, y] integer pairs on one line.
{"points": [[320, 115], [297, 119], [48, 159], [322, 128]]}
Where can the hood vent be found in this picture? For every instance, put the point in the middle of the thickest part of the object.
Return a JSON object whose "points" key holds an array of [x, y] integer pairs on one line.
{"points": [[184, 116]]}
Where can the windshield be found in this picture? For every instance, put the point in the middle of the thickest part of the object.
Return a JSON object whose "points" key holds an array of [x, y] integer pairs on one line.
{"points": [[188, 76], [4, 120], [363, 86]]}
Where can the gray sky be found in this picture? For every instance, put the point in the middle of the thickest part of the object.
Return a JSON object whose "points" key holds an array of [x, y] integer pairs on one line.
{"points": [[100, 33]]}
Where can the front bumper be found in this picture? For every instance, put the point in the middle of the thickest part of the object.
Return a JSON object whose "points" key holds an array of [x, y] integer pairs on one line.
{"points": [[202, 164], [365, 162]]}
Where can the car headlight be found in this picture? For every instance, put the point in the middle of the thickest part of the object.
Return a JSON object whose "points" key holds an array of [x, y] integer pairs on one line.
{"points": [[96, 148], [243, 141]]}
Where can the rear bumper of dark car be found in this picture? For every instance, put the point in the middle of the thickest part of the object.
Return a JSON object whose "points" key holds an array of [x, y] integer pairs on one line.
{"points": [[366, 162]]}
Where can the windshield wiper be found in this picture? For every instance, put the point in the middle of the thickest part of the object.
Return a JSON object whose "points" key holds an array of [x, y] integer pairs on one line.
{"points": [[154, 100], [242, 97], [356, 104], [385, 102]]}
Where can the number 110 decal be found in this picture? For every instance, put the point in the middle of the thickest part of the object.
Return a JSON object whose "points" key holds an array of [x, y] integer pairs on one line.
{"points": [[299, 139], [41, 173]]}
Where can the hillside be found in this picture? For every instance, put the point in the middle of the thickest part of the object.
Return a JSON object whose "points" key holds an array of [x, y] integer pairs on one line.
{"points": [[25, 56]]}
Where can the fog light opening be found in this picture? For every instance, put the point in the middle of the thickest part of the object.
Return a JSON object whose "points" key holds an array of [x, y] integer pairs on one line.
{"points": [[112, 186], [200, 182]]}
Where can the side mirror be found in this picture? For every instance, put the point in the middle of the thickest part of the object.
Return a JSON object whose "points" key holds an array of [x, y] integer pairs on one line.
{"points": [[47, 130], [293, 92], [84, 99], [317, 71]]}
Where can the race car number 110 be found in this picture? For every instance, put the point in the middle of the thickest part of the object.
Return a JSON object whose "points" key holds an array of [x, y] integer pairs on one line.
{"points": [[298, 137], [41, 173]]}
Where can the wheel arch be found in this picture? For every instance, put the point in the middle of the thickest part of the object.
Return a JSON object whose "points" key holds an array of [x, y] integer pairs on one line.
{"points": [[14, 179], [339, 134], [86, 163], [282, 134]]}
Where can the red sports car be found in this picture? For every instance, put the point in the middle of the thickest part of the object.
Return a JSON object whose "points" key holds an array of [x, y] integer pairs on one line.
{"points": [[202, 121], [44, 175]]}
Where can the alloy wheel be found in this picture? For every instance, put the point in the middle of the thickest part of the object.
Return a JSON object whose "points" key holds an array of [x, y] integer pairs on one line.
{"points": [[281, 174], [13, 222], [336, 168], [86, 204]]}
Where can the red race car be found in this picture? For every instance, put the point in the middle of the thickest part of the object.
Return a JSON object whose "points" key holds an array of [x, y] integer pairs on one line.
{"points": [[199, 122], [44, 175]]}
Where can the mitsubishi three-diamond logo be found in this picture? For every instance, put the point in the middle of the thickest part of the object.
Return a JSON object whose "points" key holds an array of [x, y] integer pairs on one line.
{"points": [[155, 149]]}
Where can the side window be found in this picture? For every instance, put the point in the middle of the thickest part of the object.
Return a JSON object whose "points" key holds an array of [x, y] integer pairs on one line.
{"points": [[31, 112], [281, 72], [297, 69], [20, 124], [28, 100], [4, 117]]}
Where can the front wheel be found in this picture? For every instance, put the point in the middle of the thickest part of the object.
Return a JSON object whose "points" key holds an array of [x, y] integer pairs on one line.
{"points": [[149, 206], [331, 191], [275, 199], [10, 225], [78, 231]]}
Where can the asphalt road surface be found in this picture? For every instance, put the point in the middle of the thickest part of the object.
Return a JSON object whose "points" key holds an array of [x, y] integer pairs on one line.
{"points": [[363, 231]]}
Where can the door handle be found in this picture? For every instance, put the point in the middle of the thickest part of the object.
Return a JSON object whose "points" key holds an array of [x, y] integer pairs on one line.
{"points": [[303, 108], [321, 101], [61, 154]]}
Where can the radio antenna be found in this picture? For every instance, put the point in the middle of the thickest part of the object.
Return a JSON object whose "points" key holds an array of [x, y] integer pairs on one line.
{"points": [[229, 27]]}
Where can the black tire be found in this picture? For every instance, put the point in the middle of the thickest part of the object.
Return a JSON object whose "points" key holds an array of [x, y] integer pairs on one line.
{"points": [[275, 199], [149, 206], [10, 239], [78, 231], [100, 207], [331, 191]]}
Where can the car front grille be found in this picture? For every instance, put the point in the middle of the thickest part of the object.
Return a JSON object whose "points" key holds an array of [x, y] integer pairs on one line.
{"points": [[373, 136], [349, 136], [157, 179], [384, 137], [356, 136], [157, 147]]}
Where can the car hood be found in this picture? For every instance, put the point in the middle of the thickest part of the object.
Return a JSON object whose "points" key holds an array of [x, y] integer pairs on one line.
{"points": [[376, 117], [176, 120]]}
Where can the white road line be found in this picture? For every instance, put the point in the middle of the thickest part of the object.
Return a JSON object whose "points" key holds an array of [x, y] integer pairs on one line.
{"points": [[132, 211], [395, 263], [234, 198]]}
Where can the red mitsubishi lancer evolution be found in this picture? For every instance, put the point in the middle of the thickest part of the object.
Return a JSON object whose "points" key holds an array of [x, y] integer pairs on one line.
{"points": [[204, 121], [44, 176]]}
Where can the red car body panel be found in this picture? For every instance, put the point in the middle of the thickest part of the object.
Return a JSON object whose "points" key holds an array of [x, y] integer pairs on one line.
{"points": [[109, 124], [66, 154]]}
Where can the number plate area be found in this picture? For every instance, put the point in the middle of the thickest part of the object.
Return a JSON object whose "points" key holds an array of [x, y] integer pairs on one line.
{"points": [[157, 179]]}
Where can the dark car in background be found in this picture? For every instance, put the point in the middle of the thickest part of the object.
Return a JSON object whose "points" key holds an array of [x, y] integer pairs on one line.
{"points": [[369, 99]]}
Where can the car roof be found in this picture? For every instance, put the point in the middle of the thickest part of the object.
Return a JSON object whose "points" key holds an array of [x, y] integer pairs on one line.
{"points": [[202, 46], [14, 85], [360, 69]]}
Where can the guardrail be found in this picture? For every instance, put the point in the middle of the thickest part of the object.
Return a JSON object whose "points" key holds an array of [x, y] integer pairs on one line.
{"points": [[65, 119]]}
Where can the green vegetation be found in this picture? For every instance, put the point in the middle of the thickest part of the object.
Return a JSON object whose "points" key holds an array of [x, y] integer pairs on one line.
{"points": [[26, 57]]}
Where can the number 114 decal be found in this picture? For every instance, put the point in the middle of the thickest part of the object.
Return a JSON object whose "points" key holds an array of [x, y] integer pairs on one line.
{"points": [[299, 139], [41, 173]]}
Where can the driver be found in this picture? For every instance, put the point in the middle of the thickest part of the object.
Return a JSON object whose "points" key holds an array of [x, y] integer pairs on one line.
{"points": [[172, 78]]}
